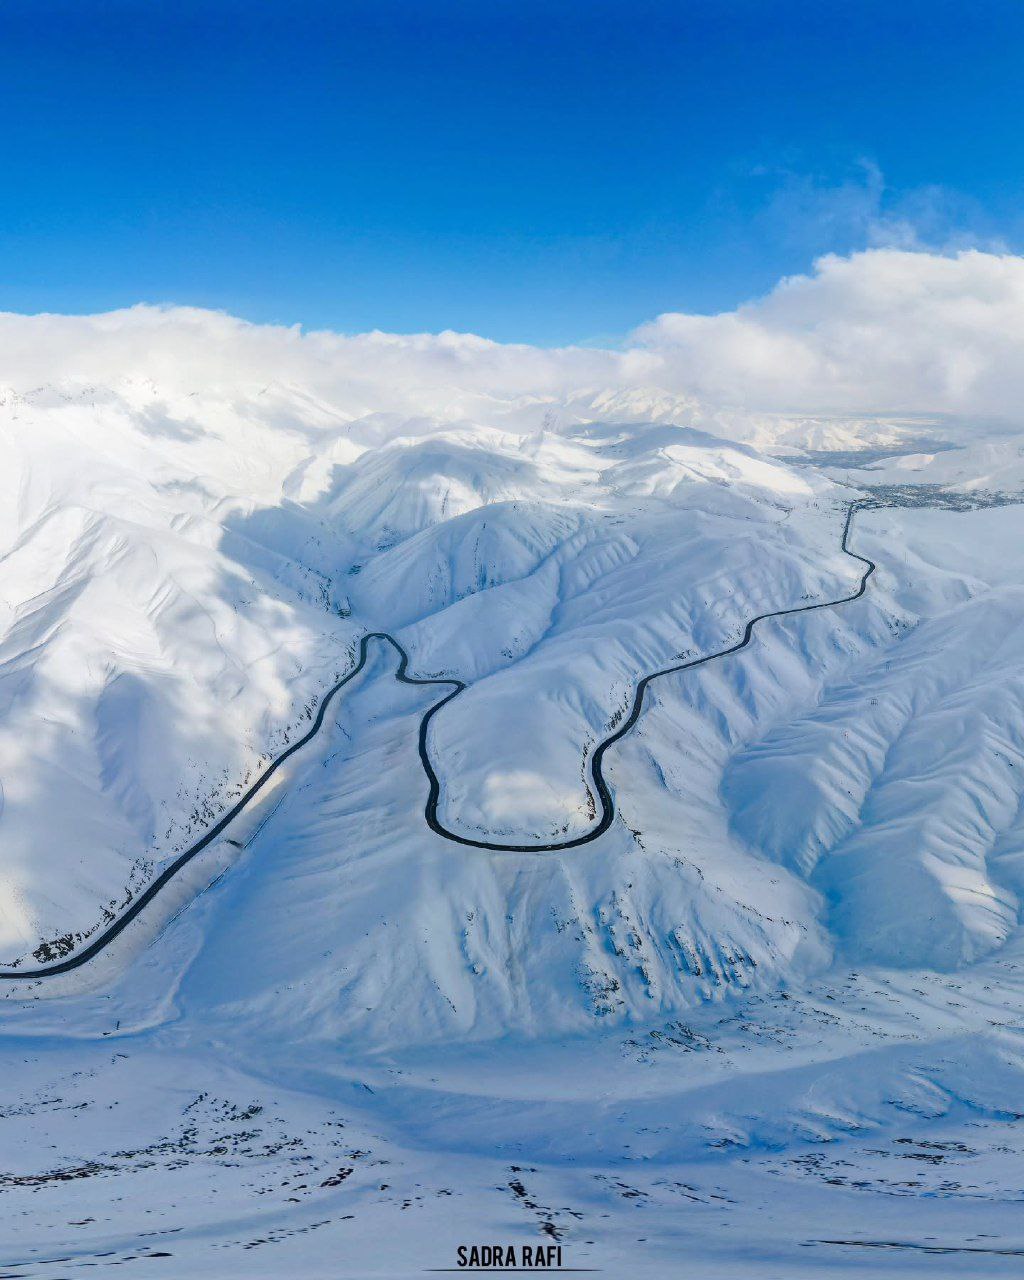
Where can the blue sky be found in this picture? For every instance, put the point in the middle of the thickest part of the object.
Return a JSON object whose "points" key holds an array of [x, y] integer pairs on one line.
{"points": [[536, 172]]}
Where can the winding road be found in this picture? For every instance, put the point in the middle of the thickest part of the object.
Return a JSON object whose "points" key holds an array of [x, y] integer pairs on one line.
{"points": [[599, 787]]}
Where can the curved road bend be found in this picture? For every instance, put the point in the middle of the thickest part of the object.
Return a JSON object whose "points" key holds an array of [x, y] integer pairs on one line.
{"points": [[604, 797]]}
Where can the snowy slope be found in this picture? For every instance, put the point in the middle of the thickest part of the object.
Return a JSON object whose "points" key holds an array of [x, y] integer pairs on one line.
{"points": [[168, 634], [180, 589], [771, 1011], [903, 784], [147, 670]]}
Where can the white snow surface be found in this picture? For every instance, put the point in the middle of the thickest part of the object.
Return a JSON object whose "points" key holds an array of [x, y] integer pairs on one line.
{"points": [[766, 1024]]}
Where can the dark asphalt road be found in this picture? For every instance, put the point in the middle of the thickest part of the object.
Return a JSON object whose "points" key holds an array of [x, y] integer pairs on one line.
{"points": [[605, 801]]}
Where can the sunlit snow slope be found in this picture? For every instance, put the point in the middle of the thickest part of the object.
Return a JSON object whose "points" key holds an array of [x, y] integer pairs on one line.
{"points": [[772, 1010], [186, 571]]}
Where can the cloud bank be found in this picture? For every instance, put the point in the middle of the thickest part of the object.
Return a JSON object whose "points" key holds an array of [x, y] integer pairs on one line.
{"points": [[884, 331]]}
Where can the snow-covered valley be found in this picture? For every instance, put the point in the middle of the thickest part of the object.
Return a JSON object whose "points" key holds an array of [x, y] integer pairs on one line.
{"points": [[769, 1020]]}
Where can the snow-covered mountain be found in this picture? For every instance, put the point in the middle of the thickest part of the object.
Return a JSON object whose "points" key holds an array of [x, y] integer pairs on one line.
{"points": [[802, 922]]}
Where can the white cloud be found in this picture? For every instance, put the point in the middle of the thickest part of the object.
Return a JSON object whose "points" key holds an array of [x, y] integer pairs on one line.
{"points": [[879, 332], [185, 349], [882, 331], [814, 214]]}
